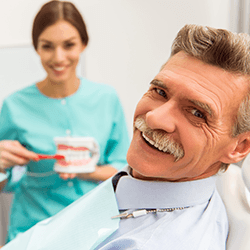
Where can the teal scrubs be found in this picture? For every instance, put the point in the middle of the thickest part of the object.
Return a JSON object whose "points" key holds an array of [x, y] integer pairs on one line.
{"points": [[34, 120]]}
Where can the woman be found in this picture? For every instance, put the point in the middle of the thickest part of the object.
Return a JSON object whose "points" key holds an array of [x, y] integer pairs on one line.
{"points": [[61, 105]]}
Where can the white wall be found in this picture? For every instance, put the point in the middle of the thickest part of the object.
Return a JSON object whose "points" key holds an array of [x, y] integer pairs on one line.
{"points": [[129, 39]]}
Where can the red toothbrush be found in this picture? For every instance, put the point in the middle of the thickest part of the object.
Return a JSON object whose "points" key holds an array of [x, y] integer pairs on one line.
{"points": [[56, 157]]}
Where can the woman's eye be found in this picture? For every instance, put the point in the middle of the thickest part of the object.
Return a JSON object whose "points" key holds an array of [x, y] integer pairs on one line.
{"points": [[69, 45], [198, 113], [161, 92], [46, 46]]}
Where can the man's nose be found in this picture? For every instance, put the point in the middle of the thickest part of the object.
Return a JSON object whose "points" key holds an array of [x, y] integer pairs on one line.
{"points": [[163, 117]]}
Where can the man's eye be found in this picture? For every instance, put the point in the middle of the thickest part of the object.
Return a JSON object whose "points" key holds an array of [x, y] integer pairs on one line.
{"points": [[161, 92], [198, 113]]}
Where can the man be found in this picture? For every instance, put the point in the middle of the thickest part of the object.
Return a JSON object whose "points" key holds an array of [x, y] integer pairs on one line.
{"points": [[192, 123]]}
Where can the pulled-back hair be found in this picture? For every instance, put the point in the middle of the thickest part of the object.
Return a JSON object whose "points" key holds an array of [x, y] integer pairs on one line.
{"points": [[53, 11], [223, 49]]}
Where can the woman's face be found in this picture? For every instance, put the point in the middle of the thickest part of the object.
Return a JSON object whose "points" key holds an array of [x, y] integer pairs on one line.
{"points": [[59, 47]]}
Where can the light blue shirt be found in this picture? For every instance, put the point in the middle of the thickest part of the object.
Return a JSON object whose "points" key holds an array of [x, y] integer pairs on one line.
{"points": [[34, 120], [201, 226]]}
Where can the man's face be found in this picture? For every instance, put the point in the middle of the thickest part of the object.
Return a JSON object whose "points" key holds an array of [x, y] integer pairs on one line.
{"points": [[188, 112]]}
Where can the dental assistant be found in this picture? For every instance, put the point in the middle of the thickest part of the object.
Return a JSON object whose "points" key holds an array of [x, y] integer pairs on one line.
{"points": [[61, 105]]}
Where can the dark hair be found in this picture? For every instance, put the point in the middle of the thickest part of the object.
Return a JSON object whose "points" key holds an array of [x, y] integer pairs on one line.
{"points": [[54, 11]]}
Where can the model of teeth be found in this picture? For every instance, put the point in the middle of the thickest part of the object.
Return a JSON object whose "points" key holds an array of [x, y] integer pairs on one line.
{"points": [[73, 155], [81, 154]]}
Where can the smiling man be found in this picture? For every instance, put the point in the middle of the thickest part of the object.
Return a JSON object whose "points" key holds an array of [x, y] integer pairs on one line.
{"points": [[192, 123], [184, 123]]}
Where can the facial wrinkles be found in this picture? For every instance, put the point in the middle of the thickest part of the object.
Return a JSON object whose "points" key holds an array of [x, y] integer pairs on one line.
{"points": [[213, 97], [200, 83], [212, 136], [159, 139]]}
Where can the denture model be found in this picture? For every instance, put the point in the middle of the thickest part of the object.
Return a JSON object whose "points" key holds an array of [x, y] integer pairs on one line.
{"points": [[81, 154], [74, 156]]}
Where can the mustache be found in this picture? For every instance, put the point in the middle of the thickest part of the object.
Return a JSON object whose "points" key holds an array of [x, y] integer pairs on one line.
{"points": [[160, 139]]}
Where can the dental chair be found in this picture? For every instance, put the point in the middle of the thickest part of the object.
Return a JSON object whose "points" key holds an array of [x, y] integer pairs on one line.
{"points": [[234, 188]]}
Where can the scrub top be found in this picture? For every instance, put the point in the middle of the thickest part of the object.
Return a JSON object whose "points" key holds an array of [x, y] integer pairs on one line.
{"points": [[34, 120]]}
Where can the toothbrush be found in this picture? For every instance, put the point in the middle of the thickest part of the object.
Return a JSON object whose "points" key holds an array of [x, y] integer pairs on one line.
{"points": [[56, 157]]}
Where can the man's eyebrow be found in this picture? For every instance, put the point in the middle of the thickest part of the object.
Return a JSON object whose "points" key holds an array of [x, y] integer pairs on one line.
{"points": [[159, 83], [204, 106]]}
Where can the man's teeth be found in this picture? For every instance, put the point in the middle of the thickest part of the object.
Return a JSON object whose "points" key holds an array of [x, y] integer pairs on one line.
{"points": [[155, 144], [149, 140], [59, 68]]}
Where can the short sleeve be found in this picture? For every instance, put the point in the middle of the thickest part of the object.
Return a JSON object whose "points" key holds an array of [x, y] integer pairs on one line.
{"points": [[7, 129], [119, 139], [7, 132]]}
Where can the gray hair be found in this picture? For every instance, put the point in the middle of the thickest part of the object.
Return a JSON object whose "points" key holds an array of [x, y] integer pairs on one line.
{"points": [[224, 49]]}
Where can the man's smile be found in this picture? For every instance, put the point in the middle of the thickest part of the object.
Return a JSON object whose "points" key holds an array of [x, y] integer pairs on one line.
{"points": [[159, 140], [154, 144]]}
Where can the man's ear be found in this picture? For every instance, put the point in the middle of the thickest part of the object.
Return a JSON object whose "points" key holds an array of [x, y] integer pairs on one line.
{"points": [[240, 151]]}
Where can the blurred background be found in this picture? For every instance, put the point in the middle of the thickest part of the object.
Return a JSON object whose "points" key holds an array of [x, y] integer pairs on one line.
{"points": [[129, 41]]}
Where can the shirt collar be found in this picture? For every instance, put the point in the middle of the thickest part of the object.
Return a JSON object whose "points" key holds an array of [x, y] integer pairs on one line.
{"points": [[133, 193]]}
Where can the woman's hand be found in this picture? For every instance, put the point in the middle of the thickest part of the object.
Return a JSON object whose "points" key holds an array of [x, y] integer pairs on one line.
{"points": [[101, 173], [13, 153]]}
